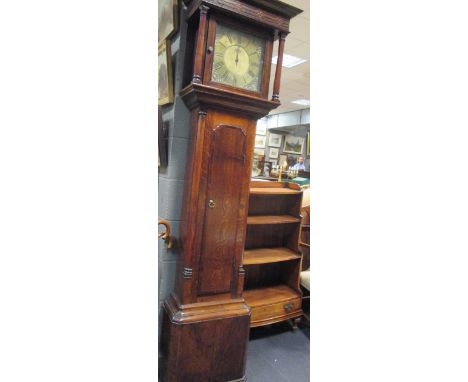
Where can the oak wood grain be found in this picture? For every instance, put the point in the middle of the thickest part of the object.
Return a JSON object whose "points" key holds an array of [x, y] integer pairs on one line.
{"points": [[269, 255]]}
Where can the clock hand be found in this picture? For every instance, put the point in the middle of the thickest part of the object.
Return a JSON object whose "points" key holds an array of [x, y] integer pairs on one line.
{"points": [[237, 55]]}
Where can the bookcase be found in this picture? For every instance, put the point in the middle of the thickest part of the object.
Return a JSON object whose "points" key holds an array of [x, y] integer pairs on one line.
{"points": [[272, 259]]}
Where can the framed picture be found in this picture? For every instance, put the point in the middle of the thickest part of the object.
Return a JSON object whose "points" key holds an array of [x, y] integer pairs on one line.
{"points": [[165, 85], [274, 162], [308, 144], [261, 127], [167, 19], [293, 144], [274, 140], [273, 153], [162, 140], [283, 159], [260, 141], [259, 152]]}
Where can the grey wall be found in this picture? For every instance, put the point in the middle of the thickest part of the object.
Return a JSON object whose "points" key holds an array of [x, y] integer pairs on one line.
{"points": [[171, 178]]}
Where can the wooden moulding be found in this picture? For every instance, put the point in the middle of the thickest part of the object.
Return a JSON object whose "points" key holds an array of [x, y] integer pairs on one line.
{"points": [[204, 311], [271, 13], [272, 219], [203, 97]]}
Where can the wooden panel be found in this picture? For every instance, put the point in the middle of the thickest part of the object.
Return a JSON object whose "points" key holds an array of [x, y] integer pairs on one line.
{"points": [[275, 205], [209, 350], [271, 274], [276, 235], [273, 191], [269, 255], [272, 219], [224, 202], [272, 304]]}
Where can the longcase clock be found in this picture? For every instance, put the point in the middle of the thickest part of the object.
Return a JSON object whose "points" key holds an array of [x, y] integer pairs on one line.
{"points": [[206, 321]]}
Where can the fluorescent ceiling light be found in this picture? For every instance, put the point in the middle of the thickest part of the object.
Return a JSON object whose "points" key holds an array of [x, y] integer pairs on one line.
{"points": [[303, 102], [288, 61]]}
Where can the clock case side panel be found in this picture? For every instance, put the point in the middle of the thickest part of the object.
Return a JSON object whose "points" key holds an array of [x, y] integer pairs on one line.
{"points": [[190, 220], [216, 18]]}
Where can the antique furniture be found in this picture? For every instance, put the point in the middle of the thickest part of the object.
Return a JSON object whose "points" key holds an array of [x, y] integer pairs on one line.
{"points": [[228, 59], [272, 259]]}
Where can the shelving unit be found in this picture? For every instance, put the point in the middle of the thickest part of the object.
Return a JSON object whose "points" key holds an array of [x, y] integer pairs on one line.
{"points": [[272, 259]]}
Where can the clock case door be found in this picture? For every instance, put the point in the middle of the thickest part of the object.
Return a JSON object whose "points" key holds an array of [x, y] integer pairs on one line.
{"points": [[216, 19]]}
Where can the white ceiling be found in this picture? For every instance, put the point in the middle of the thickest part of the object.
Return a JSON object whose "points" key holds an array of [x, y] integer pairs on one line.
{"points": [[295, 81]]}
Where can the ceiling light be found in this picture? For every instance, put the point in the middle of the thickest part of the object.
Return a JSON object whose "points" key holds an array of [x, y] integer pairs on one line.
{"points": [[303, 102], [288, 61]]}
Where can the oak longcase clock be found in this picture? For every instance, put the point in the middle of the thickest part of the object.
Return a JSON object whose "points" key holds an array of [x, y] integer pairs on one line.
{"points": [[227, 77]]}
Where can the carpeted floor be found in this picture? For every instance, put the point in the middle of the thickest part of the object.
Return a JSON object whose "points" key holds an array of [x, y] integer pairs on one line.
{"points": [[277, 353]]}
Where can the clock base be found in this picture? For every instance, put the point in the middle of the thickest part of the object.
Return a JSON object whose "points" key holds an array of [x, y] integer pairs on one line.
{"points": [[204, 342]]}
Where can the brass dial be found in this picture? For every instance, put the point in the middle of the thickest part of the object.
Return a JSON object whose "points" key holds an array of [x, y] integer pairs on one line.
{"points": [[238, 58]]}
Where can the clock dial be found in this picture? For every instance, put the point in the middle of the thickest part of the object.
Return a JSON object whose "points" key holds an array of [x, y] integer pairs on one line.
{"points": [[238, 59]]}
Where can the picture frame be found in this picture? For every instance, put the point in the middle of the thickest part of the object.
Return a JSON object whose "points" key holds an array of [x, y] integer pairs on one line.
{"points": [[259, 152], [273, 152], [293, 144], [274, 140], [168, 19], [260, 141], [261, 127], [163, 140], [165, 81], [308, 144], [274, 162]]}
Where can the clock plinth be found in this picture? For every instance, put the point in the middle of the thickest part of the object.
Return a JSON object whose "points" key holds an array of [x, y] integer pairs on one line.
{"points": [[206, 321], [205, 341]]}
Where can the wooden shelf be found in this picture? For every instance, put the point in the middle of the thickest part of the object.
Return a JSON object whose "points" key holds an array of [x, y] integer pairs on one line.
{"points": [[268, 255], [273, 191], [272, 219], [269, 295]]}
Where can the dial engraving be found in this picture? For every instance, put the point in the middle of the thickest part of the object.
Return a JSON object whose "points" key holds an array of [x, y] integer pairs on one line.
{"points": [[238, 59]]}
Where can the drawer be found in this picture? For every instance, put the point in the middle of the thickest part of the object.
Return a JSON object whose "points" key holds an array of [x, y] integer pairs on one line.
{"points": [[276, 310]]}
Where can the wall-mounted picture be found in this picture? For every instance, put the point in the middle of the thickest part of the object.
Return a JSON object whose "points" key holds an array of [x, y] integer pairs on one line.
{"points": [[260, 141], [259, 152], [261, 127], [293, 144], [274, 140], [274, 162], [165, 86], [273, 153], [167, 18]]}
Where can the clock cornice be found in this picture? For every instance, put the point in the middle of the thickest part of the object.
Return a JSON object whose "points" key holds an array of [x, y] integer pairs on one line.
{"points": [[268, 13]]}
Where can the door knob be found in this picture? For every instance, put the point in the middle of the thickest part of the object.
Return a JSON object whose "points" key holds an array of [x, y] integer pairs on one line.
{"points": [[211, 203]]}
